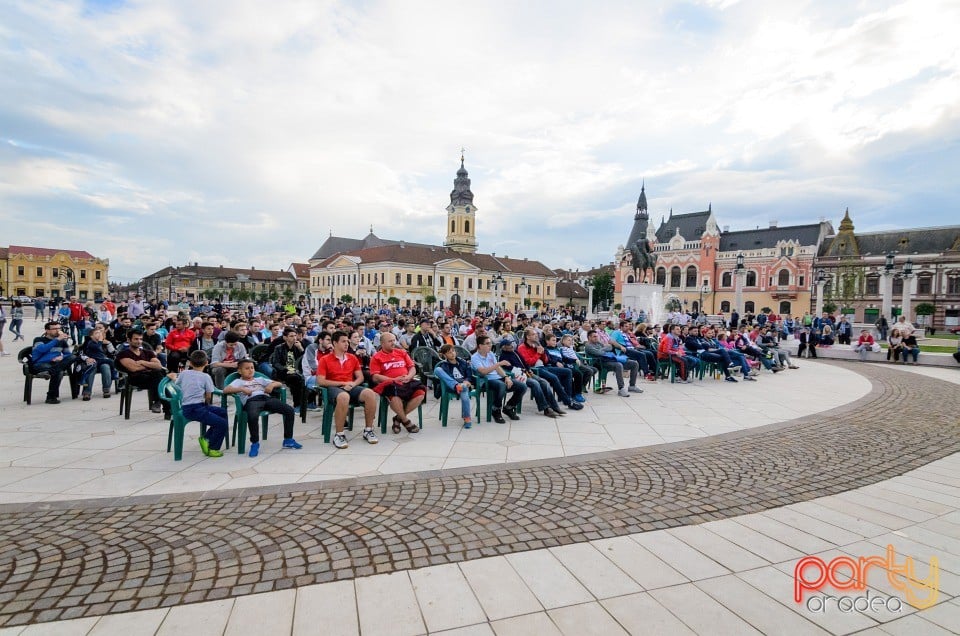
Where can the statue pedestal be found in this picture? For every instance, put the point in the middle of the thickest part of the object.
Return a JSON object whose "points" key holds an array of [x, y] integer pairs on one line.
{"points": [[645, 296]]}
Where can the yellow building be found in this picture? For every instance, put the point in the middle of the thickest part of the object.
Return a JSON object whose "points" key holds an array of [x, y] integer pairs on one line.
{"points": [[52, 273], [195, 282], [372, 270]]}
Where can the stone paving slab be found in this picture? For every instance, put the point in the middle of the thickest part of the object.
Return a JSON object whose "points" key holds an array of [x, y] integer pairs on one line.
{"points": [[65, 560]]}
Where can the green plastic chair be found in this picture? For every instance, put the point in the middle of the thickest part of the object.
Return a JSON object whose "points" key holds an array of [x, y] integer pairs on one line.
{"points": [[329, 406], [240, 416], [446, 396], [170, 393]]}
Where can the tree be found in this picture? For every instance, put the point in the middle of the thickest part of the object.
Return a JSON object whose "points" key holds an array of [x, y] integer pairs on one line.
{"points": [[925, 309], [536, 304], [602, 290], [288, 294], [263, 296], [483, 304], [430, 299], [526, 302], [393, 300], [829, 307], [346, 298]]}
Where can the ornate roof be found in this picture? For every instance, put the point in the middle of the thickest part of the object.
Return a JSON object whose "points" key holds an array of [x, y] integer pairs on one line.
{"points": [[925, 240], [47, 251], [769, 237], [691, 226], [461, 194]]}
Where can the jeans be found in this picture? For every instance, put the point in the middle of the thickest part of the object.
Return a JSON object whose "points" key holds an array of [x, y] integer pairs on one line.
{"points": [[15, 327], [497, 390], [107, 375], [910, 351], [738, 358], [213, 422], [292, 380], [261, 403], [451, 384], [609, 364], [561, 379], [642, 359], [77, 329], [718, 358], [542, 393], [55, 369]]}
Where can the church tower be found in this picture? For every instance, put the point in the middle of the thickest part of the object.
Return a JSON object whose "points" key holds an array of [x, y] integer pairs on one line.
{"points": [[461, 215]]}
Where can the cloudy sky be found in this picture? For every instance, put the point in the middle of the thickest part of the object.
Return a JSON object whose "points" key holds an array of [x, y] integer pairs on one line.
{"points": [[241, 133]]}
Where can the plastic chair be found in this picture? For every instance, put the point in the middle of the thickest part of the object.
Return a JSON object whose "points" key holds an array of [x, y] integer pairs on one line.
{"points": [[666, 368], [329, 407], [170, 393], [446, 396], [240, 422]]}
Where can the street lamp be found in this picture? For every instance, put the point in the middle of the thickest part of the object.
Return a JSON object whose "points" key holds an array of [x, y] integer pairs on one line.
{"points": [[497, 289], [739, 291], [821, 283], [907, 275], [887, 301], [523, 292], [703, 290]]}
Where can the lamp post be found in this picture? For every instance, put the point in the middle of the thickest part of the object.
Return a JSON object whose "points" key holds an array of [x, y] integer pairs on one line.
{"points": [[907, 296], [523, 293], [497, 292], [704, 289], [887, 287], [589, 287], [738, 301], [821, 283]]}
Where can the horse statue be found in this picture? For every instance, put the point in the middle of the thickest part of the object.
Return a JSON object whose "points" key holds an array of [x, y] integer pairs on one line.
{"points": [[644, 258]]}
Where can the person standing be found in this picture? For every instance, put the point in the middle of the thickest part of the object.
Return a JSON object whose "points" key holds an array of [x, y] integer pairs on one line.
{"points": [[39, 306], [16, 320], [3, 322]]}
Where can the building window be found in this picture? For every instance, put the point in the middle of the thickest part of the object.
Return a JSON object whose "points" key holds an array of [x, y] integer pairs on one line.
{"points": [[453, 226], [725, 306], [800, 282], [751, 279], [83, 274], [749, 307], [783, 278], [443, 282], [661, 276], [456, 282], [430, 280], [55, 273], [873, 286], [469, 283], [466, 226], [516, 289], [674, 277], [419, 279], [409, 279], [897, 285], [20, 273], [726, 280], [691, 276], [548, 290], [39, 271], [953, 285], [396, 279], [784, 307], [924, 284]]}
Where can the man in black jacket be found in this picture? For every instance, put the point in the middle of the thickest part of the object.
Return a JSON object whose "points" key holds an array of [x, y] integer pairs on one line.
{"points": [[284, 363]]}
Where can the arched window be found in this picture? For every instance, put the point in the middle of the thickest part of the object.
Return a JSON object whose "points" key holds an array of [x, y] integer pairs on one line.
{"points": [[783, 278], [466, 226], [784, 307], [630, 278], [696, 307], [661, 276], [726, 280], [725, 306], [749, 307], [453, 226], [751, 279], [691, 276], [674, 277]]}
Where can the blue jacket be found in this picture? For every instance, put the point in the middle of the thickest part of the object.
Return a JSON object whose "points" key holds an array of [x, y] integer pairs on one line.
{"points": [[46, 349]]}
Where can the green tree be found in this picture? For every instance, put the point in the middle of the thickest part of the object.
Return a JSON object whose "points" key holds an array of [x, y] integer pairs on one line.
{"points": [[602, 290], [393, 300], [526, 302], [288, 294], [263, 296], [829, 307], [483, 304], [536, 304], [431, 300], [346, 298], [925, 309]]}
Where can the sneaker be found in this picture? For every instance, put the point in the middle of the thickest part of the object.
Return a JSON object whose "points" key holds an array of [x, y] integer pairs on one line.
{"points": [[623, 392], [86, 397], [730, 378], [575, 406], [498, 417], [156, 407], [340, 441], [106, 394], [579, 398], [793, 366], [204, 445], [53, 400], [549, 412], [605, 389], [634, 389], [511, 412], [650, 377], [777, 369], [467, 424], [254, 449], [370, 436], [312, 407], [292, 443], [750, 378], [215, 453]]}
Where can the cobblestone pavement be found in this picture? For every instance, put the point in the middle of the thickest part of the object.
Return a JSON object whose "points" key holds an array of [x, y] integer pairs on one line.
{"points": [[71, 559]]}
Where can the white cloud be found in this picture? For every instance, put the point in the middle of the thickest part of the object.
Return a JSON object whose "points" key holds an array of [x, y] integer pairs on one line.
{"points": [[266, 127]]}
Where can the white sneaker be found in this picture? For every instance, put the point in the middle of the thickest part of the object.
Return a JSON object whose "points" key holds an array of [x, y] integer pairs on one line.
{"points": [[370, 436], [340, 441], [623, 392]]}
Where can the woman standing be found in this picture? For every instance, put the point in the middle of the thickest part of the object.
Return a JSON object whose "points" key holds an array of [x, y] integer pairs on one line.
{"points": [[16, 319]]}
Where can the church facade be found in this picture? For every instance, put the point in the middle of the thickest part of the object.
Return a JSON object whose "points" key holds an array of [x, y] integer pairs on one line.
{"points": [[696, 262], [371, 270]]}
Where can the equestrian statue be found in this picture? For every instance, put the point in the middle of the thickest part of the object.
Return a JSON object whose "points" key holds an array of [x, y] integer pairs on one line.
{"points": [[644, 258]]}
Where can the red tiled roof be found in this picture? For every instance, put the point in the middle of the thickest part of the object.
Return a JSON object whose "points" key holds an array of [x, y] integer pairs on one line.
{"points": [[46, 251], [301, 270], [418, 254]]}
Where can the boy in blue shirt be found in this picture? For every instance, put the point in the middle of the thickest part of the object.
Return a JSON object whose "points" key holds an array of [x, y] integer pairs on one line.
{"points": [[197, 389]]}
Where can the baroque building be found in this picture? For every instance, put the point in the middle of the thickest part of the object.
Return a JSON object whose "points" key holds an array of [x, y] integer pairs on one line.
{"points": [[372, 270], [52, 273], [697, 262], [853, 266]]}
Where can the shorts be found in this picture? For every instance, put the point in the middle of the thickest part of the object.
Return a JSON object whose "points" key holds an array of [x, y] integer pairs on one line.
{"points": [[405, 392], [354, 393]]}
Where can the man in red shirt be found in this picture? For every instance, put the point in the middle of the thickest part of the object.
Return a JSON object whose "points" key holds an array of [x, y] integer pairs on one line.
{"points": [[178, 344], [78, 321], [340, 372], [394, 373]]}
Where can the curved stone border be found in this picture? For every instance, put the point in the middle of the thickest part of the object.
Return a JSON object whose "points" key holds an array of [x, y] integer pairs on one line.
{"points": [[72, 559]]}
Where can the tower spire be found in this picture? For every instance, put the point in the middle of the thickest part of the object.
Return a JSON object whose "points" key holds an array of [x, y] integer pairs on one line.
{"points": [[642, 203]]}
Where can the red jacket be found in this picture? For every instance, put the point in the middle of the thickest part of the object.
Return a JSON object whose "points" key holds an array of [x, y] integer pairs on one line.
{"points": [[76, 312], [530, 356], [179, 340]]}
